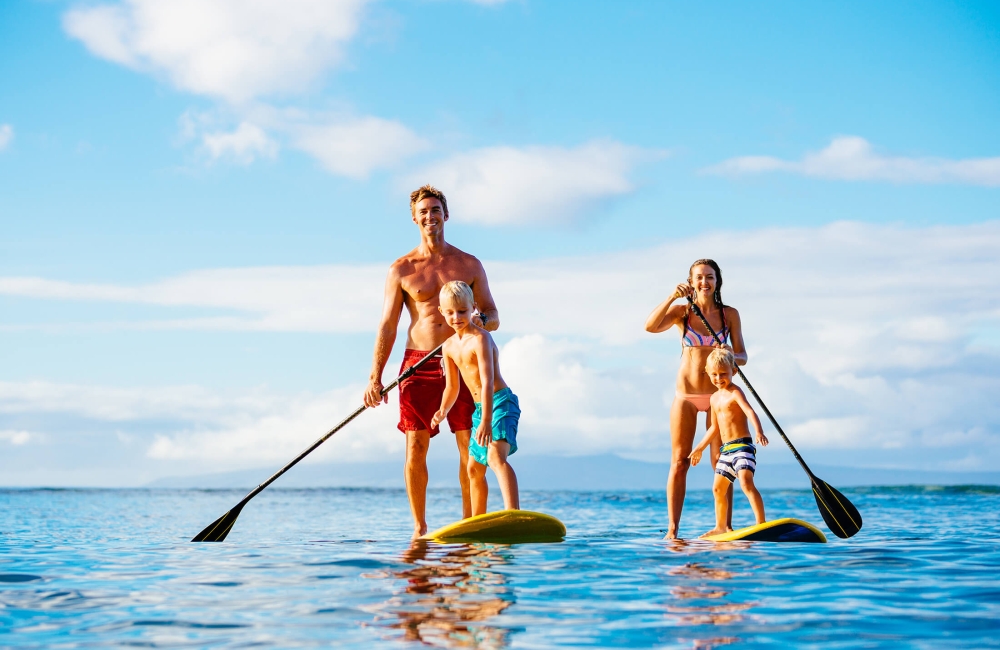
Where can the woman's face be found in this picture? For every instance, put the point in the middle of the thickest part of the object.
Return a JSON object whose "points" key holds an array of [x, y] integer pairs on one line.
{"points": [[703, 280]]}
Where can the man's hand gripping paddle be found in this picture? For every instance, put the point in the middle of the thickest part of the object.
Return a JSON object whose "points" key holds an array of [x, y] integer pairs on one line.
{"points": [[839, 514], [218, 529]]}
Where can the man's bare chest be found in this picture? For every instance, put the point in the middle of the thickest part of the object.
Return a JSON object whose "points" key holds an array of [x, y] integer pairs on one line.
{"points": [[425, 283]]}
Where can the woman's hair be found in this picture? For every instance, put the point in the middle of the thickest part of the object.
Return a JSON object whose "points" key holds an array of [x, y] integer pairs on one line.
{"points": [[720, 357], [458, 291], [718, 278]]}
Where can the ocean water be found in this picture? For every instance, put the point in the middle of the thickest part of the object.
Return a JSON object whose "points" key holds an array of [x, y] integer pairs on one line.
{"points": [[334, 567]]}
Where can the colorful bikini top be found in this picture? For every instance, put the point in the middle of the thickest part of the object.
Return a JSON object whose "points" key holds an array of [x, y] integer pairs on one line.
{"points": [[692, 339]]}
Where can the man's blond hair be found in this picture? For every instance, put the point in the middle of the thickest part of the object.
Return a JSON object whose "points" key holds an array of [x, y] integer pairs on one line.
{"points": [[458, 291], [719, 358], [428, 192]]}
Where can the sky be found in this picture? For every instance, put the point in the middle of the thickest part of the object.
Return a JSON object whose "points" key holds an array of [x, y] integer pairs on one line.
{"points": [[199, 201]]}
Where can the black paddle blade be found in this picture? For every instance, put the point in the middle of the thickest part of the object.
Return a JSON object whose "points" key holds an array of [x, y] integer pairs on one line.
{"points": [[218, 529], [840, 515]]}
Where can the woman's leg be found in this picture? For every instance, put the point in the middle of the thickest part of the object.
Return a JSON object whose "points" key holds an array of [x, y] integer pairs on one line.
{"points": [[683, 420]]}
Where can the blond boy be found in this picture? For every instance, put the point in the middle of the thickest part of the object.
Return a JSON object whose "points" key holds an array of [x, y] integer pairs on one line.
{"points": [[737, 459], [472, 352]]}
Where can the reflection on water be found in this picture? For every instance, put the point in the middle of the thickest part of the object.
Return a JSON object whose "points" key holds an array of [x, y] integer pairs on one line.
{"points": [[448, 595], [696, 601]]}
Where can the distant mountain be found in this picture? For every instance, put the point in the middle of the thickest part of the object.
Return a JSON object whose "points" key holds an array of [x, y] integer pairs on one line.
{"points": [[561, 473]]}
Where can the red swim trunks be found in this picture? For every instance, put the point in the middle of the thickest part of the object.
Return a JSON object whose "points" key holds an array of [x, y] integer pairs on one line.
{"points": [[420, 396]]}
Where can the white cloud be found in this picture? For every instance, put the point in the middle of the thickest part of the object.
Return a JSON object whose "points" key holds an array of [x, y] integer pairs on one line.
{"points": [[16, 438], [876, 341], [852, 158], [315, 299], [232, 49], [552, 183], [6, 135], [356, 147], [243, 145]]}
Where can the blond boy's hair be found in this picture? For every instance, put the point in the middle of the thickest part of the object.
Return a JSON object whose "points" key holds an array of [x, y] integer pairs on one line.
{"points": [[720, 357], [458, 291]]}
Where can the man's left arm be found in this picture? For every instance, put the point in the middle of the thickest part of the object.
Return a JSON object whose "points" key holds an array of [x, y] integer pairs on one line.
{"points": [[484, 299]]}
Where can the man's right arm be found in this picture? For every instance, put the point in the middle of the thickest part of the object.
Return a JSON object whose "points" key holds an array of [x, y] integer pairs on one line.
{"points": [[392, 307]]}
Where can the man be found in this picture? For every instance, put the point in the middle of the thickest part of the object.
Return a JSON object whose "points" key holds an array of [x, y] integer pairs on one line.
{"points": [[414, 282]]}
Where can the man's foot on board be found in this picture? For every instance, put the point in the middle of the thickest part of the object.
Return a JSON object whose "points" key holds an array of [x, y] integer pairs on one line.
{"points": [[671, 534], [419, 531], [715, 531]]}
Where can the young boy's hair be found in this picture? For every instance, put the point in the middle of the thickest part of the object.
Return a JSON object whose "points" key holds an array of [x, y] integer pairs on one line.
{"points": [[720, 357], [458, 291]]}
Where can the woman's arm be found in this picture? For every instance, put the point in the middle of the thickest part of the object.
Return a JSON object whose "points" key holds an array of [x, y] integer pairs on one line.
{"points": [[663, 317], [736, 336]]}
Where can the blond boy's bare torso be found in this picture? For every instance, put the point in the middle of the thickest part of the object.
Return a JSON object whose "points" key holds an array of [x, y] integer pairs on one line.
{"points": [[729, 414], [465, 352]]}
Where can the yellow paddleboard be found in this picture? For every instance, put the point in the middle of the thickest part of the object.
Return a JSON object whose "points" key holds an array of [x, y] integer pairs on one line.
{"points": [[502, 527], [779, 530]]}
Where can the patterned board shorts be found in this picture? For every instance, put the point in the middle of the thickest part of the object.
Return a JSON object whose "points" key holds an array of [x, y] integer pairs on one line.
{"points": [[736, 455]]}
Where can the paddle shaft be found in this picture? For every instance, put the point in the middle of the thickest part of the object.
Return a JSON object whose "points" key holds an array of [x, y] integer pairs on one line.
{"points": [[767, 411], [361, 409]]}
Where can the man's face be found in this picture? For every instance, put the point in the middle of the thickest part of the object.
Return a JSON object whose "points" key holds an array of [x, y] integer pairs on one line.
{"points": [[429, 215]]}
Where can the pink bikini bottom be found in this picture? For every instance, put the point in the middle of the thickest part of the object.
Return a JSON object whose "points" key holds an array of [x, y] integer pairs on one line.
{"points": [[700, 401]]}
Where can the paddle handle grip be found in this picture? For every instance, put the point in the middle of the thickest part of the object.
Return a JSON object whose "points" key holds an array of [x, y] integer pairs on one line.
{"points": [[767, 411]]}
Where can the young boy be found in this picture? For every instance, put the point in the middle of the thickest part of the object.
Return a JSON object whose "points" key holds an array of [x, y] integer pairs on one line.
{"points": [[472, 352], [730, 413]]}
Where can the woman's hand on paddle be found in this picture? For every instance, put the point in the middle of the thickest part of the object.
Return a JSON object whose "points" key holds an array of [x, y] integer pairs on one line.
{"points": [[373, 394], [439, 417], [683, 290], [695, 456]]}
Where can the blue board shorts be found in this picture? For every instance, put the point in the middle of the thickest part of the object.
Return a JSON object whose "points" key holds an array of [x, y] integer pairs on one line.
{"points": [[506, 413]]}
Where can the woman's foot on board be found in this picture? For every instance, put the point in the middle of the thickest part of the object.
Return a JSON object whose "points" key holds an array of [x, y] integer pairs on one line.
{"points": [[671, 534], [419, 531], [715, 531]]}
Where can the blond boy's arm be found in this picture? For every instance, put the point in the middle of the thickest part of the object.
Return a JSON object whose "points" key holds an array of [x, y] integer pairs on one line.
{"points": [[484, 353], [741, 399], [712, 432], [450, 393]]}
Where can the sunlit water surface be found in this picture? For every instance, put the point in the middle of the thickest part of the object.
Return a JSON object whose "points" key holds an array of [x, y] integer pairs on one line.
{"points": [[311, 568]]}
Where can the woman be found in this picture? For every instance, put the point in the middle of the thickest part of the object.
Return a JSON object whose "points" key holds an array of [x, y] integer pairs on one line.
{"points": [[694, 389]]}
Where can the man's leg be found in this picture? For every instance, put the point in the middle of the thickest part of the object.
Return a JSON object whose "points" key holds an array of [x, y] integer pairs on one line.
{"points": [[417, 443], [462, 440], [497, 457], [478, 488]]}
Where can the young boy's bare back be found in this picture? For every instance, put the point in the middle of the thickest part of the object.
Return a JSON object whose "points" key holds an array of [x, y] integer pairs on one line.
{"points": [[732, 416], [472, 352]]}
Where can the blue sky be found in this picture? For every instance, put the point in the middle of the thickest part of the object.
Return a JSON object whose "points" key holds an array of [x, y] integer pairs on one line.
{"points": [[190, 193]]}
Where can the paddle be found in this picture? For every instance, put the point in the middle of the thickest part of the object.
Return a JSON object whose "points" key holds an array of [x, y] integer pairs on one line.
{"points": [[218, 529], [840, 515]]}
